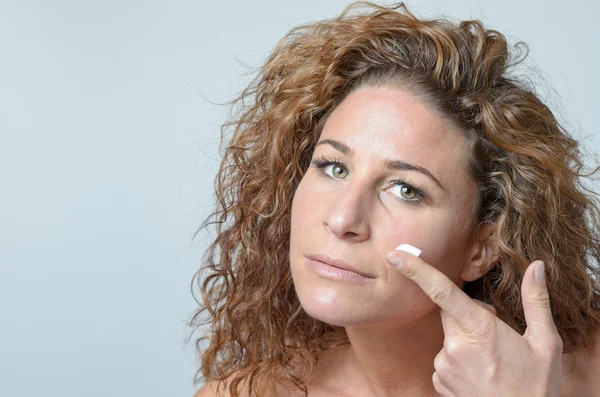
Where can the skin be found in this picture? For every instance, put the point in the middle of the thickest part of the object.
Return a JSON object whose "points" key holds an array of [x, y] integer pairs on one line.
{"points": [[352, 213], [413, 332], [394, 328]]}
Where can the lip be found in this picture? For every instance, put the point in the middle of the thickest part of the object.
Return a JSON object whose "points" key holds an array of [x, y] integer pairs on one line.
{"points": [[339, 264]]}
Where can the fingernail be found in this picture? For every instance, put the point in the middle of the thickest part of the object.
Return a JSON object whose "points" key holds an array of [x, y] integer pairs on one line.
{"points": [[539, 273], [409, 248]]}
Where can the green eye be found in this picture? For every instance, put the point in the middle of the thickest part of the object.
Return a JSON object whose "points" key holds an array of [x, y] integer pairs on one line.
{"points": [[407, 192], [339, 171]]}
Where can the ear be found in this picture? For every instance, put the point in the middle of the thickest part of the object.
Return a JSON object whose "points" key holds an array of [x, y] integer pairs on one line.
{"points": [[483, 255]]}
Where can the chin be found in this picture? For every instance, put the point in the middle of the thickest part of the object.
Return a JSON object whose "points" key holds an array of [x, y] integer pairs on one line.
{"points": [[325, 304], [352, 318], [334, 307], [324, 313], [338, 318]]}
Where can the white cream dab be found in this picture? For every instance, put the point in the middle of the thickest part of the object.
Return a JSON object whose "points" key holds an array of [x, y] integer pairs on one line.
{"points": [[409, 248]]}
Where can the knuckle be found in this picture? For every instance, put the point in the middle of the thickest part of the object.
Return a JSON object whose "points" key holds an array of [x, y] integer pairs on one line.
{"points": [[483, 332], [440, 386], [442, 294], [453, 346], [440, 363], [492, 370], [437, 382], [409, 270], [541, 299]]}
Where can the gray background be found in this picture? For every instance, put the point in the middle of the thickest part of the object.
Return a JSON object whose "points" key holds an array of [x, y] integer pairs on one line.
{"points": [[109, 145]]}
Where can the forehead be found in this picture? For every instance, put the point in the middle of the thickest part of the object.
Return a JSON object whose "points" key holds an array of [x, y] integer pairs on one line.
{"points": [[390, 123]]}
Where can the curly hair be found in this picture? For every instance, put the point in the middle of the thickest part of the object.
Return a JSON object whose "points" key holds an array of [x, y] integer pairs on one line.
{"points": [[528, 170]]}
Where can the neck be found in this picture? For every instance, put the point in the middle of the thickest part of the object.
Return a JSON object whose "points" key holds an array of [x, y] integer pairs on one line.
{"points": [[393, 362]]}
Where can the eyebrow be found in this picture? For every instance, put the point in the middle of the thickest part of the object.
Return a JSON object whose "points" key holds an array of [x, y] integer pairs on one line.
{"points": [[391, 164]]}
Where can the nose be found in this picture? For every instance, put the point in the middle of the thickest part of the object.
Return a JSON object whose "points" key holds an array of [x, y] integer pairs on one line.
{"points": [[348, 213]]}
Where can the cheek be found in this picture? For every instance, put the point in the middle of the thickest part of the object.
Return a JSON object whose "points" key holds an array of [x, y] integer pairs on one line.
{"points": [[440, 238], [301, 203], [304, 204]]}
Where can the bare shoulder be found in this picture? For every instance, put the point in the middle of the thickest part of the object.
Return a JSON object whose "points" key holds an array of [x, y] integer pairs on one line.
{"points": [[581, 369], [216, 388], [210, 390], [317, 383]]}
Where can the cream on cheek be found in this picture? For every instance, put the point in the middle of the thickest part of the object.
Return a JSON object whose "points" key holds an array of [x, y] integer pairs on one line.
{"points": [[433, 235]]}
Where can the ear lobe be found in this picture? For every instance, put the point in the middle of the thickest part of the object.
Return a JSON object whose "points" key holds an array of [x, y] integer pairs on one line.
{"points": [[484, 255]]}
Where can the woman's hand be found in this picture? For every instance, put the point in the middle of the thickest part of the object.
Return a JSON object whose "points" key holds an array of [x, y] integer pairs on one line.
{"points": [[482, 355]]}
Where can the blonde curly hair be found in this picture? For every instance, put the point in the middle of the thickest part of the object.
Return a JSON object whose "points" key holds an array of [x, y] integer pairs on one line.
{"points": [[527, 167]]}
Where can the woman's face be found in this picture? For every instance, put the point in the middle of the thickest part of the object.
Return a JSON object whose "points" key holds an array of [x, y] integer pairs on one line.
{"points": [[358, 209]]}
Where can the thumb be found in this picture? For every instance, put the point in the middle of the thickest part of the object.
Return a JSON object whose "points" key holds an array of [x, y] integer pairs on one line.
{"points": [[536, 302]]}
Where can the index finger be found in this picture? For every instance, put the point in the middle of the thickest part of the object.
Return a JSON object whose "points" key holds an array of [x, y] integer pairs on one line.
{"points": [[467, 314]]}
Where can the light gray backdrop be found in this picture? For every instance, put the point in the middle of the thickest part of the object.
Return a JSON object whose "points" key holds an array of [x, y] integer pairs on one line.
{"points": [[107, 155]]}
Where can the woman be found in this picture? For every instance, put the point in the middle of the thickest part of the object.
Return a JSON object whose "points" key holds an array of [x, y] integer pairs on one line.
{"points": [[375, 131]]}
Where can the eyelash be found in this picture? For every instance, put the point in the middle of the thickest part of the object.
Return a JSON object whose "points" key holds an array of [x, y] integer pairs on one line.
{"points": [[323, 162]]}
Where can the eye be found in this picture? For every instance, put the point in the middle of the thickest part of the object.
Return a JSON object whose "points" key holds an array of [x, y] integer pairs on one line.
{"points": [[338, 168], [408, 191]]}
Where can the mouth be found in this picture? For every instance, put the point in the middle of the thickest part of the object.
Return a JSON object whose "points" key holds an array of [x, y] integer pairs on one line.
{"points": [[337, 268]]}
